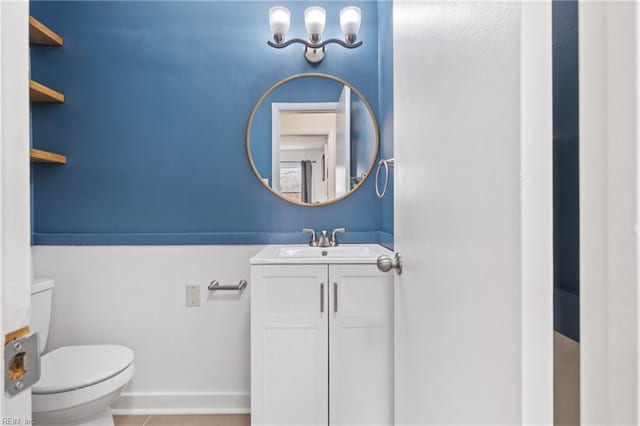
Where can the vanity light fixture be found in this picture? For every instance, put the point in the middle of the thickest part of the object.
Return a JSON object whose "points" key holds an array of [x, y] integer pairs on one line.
{"points": [[314, 20]]}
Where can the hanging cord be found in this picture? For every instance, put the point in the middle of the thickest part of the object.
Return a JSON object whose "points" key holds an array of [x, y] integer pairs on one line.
{"points": [[386, 164]]}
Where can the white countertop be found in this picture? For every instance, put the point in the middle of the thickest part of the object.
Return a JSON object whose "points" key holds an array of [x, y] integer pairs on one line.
{"points": [[287, 254]]}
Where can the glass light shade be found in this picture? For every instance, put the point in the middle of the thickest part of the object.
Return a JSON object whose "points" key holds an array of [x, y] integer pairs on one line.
{"points": [[314, 19], [279, 20], [350, 19]]}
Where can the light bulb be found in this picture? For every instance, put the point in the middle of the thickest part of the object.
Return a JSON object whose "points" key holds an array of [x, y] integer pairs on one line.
{"points": [[314, 20], [350, 19], [279, 21]]}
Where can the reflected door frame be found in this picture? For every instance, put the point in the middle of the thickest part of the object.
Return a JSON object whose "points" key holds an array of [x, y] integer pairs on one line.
{"points": [[279, 107]]}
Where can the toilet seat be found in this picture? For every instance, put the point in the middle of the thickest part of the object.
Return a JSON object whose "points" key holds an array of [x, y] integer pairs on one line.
{"points": [[71, 368]]}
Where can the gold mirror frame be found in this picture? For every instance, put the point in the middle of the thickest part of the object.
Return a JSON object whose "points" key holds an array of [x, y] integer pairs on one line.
{"points": [[308, 75]]}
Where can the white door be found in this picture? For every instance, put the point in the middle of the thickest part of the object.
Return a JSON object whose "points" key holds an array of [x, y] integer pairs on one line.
{"points": [[360, 345], [462, 332], [289, 345], [343, 142], [15, 261]]}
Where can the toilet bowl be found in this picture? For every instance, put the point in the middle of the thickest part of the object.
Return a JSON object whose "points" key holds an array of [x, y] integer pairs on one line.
{"points": [[78, 384]]}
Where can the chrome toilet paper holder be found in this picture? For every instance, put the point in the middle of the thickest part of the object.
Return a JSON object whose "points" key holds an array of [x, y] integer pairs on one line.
{"points": [[215, 286]]}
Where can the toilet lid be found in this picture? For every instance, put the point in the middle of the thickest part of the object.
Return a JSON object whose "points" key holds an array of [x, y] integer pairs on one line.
{"points": [[75, 367]]}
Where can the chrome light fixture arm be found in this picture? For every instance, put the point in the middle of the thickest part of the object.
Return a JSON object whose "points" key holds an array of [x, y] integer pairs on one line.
{"points": [[314, 51], [314, 21]]}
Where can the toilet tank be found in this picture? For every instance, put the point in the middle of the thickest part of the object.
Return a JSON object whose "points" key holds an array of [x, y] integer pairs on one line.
{"points": [[41, 300]]}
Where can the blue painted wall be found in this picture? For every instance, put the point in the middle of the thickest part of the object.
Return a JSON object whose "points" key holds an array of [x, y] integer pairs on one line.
{"points": [[566, 215], [385, 104], [158, 95]]}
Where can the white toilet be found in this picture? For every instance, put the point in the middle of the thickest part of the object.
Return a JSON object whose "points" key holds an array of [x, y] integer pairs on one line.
{"points": [[78, 384]]}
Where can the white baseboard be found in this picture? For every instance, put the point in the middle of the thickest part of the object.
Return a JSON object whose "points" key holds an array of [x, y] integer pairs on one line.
{"points": [[159, 403]]}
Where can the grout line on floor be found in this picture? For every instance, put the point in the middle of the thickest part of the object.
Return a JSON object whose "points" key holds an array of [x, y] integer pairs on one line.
{"points": [[146, 421]]}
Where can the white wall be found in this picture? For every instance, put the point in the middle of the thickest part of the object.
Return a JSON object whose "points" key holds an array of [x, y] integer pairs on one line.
{"points": [[15, 231], [188, 359], [609, 214]]}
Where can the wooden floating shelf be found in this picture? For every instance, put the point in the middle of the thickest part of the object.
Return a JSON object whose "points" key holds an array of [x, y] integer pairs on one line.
{"points": [[41, 93], [40, 156], [41, 34]]}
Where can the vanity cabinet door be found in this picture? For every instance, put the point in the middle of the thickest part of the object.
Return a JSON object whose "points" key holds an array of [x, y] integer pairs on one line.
{"points": [[289, 345], [360, 345]]}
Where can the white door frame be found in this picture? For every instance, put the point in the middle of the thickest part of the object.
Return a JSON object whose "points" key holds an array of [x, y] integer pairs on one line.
{"points": [[15, 230], [536, 142], [609, 125], [343, 153], [276, 109]]}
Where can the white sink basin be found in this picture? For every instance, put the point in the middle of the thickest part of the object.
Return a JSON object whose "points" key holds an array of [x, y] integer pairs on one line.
{"points": [[347, 253]]}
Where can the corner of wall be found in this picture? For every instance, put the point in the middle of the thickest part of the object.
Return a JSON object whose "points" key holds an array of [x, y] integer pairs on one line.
{"points": [[385, 110]]}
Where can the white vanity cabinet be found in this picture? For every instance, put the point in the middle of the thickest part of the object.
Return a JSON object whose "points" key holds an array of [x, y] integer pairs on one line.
{"points": [[321, 343], [289, 345], [360, 346]]}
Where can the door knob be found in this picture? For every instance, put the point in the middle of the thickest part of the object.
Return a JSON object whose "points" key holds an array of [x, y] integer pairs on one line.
{"points": [[385, 263]]}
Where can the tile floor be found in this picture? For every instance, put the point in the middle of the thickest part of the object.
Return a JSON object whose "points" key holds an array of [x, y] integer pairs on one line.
{"points": [[195, 420]]}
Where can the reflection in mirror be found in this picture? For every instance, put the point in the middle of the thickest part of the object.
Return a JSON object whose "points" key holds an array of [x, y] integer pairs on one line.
{"points": [[312, 139]]}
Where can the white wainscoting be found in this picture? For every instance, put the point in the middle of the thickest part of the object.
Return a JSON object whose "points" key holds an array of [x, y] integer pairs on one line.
{"points": [[189, 360]]}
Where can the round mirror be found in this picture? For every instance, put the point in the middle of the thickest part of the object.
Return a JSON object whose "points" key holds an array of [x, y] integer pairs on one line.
{"points": [[312, 139]]}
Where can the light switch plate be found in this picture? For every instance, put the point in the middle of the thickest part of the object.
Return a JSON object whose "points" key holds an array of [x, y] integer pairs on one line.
{"points": [[193, 294]]}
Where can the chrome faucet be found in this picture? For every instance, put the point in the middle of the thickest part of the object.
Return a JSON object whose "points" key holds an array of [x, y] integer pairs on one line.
{"points": [[323, 240]]}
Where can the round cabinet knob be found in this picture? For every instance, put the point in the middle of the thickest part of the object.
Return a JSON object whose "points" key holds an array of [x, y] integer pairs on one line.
{"points": [[385, 263]]}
